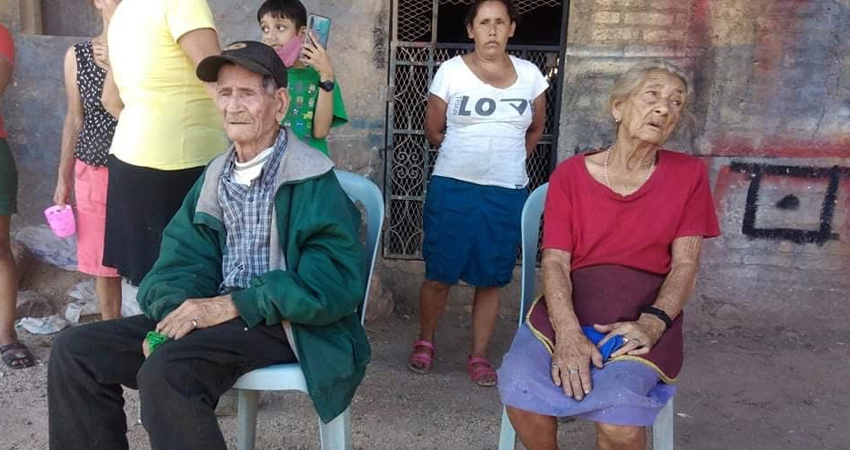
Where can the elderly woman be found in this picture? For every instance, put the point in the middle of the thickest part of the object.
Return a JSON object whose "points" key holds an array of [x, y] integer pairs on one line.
{"points": [[486, 113], [622, 234]]}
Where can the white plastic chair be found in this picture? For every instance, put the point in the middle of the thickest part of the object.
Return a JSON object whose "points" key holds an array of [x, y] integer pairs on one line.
{"points": [[335, 435], [662, 429]]}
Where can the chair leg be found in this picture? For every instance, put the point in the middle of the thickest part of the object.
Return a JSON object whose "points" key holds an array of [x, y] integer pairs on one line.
{"points": [[662, 429], [246, 419], [336, 434], [507, 434]]}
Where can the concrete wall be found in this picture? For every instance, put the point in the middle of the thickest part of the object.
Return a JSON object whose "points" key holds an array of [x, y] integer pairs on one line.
{"points": [[34, 106], [771, 117]]}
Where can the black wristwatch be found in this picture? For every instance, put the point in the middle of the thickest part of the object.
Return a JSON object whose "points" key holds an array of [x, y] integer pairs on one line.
{"points": [[327, 86], [651, 310]]}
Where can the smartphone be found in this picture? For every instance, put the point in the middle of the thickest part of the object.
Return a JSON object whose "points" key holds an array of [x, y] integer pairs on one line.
{"points": [[321, 28]]}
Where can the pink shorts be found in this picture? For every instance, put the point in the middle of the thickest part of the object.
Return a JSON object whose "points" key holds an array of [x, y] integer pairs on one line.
{"points": [[90, 185]]}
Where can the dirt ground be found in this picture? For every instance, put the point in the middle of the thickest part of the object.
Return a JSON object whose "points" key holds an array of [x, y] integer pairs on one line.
{"points": [[753, 388]]}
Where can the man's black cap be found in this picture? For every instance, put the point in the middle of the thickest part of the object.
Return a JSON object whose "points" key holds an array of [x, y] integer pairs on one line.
{"points": [[252, 55]]}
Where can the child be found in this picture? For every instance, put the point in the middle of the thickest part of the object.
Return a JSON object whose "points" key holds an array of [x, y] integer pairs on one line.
{"points": [[315, 99], [86, 139]]}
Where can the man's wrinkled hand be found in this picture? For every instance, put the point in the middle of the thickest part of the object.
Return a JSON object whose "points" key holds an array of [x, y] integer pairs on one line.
{"points": [[197, 313]]}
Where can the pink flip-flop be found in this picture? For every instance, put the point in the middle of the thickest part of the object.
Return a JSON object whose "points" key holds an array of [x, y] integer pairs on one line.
{"points": [[421, 362], [481, 372]]}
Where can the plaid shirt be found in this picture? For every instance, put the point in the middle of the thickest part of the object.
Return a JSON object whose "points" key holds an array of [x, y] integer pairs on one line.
{"points": [[247, 219]]}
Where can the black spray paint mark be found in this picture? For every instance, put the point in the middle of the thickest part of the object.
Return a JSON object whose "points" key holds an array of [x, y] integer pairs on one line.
{"points": [[789, 203], [800, 236]]}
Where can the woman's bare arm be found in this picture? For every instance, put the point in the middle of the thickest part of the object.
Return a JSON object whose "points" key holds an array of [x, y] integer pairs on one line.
{"points": [[198, 44], [677, 288], [573, 351], [680, 282], [70, 130], [110, 98], [555, 265], [435, 120], [538, 123]]}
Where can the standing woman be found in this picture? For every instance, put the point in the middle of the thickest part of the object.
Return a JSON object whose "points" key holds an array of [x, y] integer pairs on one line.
{"points": [[13, 352], [168, 127], [486, 113], [86, 138]]}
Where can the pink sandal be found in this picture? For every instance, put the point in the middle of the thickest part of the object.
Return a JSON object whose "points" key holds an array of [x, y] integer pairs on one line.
{"points": [[481, 372], [421, 362]]}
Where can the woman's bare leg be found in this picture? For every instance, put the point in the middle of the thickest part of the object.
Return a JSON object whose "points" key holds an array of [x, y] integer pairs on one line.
{"points": [[536, 431], [432, 301], [108, 292], [433, 296], [8, 285], [485, 308], [616, 437]]}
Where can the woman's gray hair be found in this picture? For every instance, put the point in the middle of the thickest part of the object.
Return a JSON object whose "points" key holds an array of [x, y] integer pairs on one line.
{"points": [[629, 81]]}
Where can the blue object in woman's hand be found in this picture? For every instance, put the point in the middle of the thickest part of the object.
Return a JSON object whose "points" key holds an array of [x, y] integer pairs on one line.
{"points": [[610, 347]]}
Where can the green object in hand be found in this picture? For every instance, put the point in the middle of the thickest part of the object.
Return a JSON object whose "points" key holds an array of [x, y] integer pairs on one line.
{"points": [[155, 340]]}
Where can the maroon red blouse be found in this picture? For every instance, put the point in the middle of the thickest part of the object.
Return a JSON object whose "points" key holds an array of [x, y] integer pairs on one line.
{"points": [[612, 239], [598, 226]]}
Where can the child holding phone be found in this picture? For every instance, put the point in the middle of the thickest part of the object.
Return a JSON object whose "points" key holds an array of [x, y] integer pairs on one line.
{"points": [[316, 102]]}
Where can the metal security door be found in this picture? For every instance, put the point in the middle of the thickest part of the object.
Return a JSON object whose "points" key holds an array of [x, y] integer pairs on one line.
{"points": [[415, 56]]}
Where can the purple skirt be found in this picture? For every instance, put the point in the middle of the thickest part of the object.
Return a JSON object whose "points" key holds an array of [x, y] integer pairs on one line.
{"points": [[626, 393]]}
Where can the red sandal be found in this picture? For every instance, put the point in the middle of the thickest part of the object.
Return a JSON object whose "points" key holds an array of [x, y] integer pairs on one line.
{"points": [[421, 362], [481, 372]]}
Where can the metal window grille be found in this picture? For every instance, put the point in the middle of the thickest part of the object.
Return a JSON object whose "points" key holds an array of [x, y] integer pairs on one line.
{"points": [[410, 159], [415, 19], [522, 6]]}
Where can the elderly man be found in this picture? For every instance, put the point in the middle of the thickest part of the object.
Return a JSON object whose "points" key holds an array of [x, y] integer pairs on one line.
{"points": [[261, 265]]}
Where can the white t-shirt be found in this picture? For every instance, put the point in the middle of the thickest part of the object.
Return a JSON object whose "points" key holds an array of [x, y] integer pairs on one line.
{"points": [[245, 173], [485, 126]]}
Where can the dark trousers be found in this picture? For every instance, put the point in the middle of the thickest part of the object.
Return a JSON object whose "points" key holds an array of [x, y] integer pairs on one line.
{"points": [[179, 385]]}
